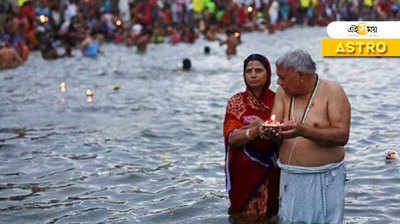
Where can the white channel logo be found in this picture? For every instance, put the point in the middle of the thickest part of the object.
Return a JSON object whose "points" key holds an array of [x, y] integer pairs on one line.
{"points": [[361, 29]]}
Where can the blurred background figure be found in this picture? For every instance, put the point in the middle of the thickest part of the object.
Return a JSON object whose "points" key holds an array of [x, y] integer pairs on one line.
{"points": [[232, 41], [207, 50], [143, 39], [9, 57], [186, 65], [124, 12], [90, 47], [139, 23]]}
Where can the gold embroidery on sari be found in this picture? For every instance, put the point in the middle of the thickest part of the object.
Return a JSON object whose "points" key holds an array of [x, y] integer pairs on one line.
{"points": [[255, 104], [236, 106]]}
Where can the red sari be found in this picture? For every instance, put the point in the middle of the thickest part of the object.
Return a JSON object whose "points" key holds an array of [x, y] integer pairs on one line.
{"points": [[253, 188]]}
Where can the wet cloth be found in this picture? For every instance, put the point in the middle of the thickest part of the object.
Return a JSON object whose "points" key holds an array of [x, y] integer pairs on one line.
{"points": [[247, 168], [312, 194]]}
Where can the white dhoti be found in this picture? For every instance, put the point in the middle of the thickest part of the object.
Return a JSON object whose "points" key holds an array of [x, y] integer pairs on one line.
{"points": [[312, 194]]}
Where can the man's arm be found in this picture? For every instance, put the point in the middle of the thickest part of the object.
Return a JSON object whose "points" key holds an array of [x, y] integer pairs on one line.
{"points": [[337, 134], [279, 105]]}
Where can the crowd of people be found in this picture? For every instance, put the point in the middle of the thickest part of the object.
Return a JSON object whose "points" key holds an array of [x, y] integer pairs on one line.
{"points": [[45, 25]]}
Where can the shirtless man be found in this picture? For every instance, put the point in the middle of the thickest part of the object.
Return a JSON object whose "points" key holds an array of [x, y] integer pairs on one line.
{"points": [[210, 34], [316, 124], [233, 40], [9, 58], [143, 39]]}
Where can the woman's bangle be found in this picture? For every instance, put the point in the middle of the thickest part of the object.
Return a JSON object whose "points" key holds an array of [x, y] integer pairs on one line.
{"points": [[248, 133]]}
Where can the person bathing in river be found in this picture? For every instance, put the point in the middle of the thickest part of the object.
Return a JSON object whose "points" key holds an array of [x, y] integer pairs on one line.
{"points": [[316, 123], [252, 177], [9, 57], [232, 41], [90, 47]]}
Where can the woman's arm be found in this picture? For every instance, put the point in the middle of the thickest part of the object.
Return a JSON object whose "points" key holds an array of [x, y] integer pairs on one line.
{"points": [[242, 136]]}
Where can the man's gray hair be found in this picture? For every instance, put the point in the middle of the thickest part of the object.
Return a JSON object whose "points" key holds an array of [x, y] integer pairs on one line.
{"points": [[299, 60]]}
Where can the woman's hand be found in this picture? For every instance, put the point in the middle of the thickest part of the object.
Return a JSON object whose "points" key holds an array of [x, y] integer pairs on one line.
{"points": [[252, 121]]}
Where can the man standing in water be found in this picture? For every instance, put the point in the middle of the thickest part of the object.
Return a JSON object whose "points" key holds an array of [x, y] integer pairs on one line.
{"points": [[9, 57], [316, 124], [232, 41]]}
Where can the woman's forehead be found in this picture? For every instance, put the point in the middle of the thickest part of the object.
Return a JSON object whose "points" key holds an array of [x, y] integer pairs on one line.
{"points": [[255, 63]]}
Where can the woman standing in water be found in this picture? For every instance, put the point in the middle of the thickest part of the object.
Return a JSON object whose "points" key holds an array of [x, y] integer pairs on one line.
{"points": [[252, 178]]}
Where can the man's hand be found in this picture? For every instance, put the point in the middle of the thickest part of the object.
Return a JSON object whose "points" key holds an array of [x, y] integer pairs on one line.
{"points": [[290, 129], [269, 133]]}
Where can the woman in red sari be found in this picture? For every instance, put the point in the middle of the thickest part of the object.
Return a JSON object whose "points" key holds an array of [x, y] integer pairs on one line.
{"points": [[252, 177]]}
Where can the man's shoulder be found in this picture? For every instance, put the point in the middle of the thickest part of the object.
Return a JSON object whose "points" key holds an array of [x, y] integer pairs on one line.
{"points": [[280, 93], [330, 85], [333, 90]]}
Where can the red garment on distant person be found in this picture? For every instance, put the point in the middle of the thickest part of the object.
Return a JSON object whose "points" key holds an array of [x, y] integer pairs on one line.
{"points": [[30, 13], [242, 15], [225, 19], [147, 12], [384, 6], [166, 17], [245, 175]]}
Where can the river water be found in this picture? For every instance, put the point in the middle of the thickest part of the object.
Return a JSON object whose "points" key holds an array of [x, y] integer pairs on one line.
{"points": [[152, 151]]}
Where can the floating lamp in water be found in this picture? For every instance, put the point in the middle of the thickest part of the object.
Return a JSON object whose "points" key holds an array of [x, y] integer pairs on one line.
{"points": [[116, 87], [63, 87], [390, 154], [89, 96], [89, 93]]}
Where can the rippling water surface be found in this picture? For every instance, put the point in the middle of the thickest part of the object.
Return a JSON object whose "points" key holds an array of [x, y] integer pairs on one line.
{"points": [[153, 151]]}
